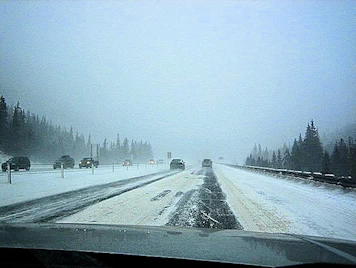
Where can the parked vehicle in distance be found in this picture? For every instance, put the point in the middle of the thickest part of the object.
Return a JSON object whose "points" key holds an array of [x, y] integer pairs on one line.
{"points": [[207, 163], [88, 162], [67, 160], [17, 163], [177, 163], [127, 162]]}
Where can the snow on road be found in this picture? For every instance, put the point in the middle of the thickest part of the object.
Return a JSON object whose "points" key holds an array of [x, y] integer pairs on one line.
{"points": [[149, 205], [279, 204], [29, 185], [261, 202]]}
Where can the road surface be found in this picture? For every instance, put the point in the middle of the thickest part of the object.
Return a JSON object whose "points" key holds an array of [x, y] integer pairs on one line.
{"points": [[218, 197]]}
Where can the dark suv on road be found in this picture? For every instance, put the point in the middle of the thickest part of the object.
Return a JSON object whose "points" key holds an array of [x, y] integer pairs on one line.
{"points": [[68, 162], [177, 164], [17, 163], [207, 163]]}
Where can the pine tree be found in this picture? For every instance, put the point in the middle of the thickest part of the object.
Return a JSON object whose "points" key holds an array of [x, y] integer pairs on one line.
{"points": [[274, 160], [326, 163], [17, 140], [134, 151], [353, 161], [286, 162], [255, 152], [296, 163], [89, 148], [260, 150], [312, 149], [344, 158], [104, 150], [340, 159], [250, 161], [279, 159], [265, 154], [3, 122], [31, 142], [126, 148], [118, 143], [79, 148]]}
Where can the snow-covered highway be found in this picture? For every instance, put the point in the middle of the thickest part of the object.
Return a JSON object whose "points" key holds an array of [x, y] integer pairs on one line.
{"points": [[259, 202], [292, 205]]}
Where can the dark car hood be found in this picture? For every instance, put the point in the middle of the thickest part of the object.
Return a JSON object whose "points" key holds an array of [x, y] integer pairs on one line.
{"points": [[215, 245]]}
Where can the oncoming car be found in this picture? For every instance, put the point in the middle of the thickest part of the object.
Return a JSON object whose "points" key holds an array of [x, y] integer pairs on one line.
{"points": [[127, 162], [177, 163], [88, 162], [16, 163]]}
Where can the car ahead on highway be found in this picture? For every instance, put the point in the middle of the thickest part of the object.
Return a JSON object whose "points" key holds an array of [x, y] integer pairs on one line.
{"points": [[177, 163], [66, 160], [17, 163], [88, 162], [207, 163], [151, 162]]}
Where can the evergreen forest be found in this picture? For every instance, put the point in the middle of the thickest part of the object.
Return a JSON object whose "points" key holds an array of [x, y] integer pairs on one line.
{"points": [[25, 133], [308, 154]]}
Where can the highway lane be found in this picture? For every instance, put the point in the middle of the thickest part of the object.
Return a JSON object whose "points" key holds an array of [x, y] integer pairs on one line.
{"points": [[178, 198], [191, 198], [218, 197], [55, 206]]}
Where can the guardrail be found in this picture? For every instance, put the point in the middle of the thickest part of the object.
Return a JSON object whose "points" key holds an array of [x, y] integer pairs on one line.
{"points": [[316, 176]]}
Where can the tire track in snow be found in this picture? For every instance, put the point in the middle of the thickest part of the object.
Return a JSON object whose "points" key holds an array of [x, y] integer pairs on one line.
{"points": [[56, 206], [205, 207]]}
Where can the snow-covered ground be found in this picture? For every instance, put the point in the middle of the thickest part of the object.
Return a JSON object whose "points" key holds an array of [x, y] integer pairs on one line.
{"points": [[260, 202], [281, 204], [44, 181], [151, 205]]}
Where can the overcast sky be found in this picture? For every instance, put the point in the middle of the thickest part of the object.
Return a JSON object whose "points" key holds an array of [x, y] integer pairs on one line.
{"points": [[200, 79]]}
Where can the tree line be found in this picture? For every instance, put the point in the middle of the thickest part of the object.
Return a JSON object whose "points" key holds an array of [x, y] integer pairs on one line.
{"points": [[308, 154], [25, 133]]}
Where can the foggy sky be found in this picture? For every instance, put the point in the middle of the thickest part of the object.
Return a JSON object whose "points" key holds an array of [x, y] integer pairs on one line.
{"points": [[200, 79]]}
